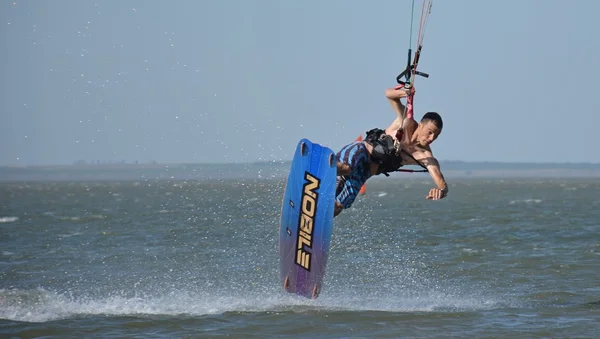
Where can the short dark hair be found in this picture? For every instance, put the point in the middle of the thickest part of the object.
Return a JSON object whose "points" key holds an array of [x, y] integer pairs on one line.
{"points": [[433, 116]]}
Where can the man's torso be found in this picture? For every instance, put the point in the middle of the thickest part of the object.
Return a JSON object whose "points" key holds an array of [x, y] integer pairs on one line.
{"points": [[415, 152]]}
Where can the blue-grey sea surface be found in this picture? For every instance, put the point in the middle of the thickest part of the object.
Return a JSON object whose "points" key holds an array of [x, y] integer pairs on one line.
{"points": [[499, 258]]}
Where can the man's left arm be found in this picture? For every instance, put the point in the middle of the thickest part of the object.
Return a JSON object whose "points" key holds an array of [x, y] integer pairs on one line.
{"points": [[394, 95]]}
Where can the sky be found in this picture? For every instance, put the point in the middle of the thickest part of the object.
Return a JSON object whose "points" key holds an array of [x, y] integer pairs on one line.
{"points": [[243, 81]]}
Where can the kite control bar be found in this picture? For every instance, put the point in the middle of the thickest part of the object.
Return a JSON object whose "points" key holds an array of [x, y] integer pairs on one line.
{"points": [[411, 69]]}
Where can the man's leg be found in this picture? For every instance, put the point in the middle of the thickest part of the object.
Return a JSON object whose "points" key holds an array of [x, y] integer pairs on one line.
{"points": [[343, 169], [338, 209], [353, 170]]}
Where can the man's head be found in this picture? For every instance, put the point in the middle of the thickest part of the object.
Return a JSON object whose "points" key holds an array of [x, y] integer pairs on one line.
{"points": [[429, 128]]}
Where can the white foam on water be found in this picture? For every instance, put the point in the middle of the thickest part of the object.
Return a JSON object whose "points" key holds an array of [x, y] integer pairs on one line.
{"points": [[526, 201], [41, 305], [8, 219]]}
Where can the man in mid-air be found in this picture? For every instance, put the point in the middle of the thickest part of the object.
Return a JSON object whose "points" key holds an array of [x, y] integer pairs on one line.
{"points": [[404, 142]]}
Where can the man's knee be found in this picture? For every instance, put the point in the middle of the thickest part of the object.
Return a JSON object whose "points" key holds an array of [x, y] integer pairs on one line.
{"points": [[343, 169]]}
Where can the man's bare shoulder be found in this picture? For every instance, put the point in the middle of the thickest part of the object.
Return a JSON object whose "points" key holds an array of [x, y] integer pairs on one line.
{"points": [[424, 155]]}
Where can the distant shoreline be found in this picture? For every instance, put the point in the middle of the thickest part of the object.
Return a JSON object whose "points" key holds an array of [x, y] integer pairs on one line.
{"points": [[448, 164], [276, 170]]}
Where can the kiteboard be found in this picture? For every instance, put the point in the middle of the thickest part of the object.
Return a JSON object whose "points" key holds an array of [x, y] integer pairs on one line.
{"points": [[307, 219]]}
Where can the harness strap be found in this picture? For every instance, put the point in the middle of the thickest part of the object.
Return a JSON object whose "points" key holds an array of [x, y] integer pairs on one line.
{"points": [[417, 161]]}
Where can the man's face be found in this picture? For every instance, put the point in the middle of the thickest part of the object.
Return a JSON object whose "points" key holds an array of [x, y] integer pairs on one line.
{"points": [[427, 132]]}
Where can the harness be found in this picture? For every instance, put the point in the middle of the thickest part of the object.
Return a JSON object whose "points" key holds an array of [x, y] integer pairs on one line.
{"points": [[387, 154]]}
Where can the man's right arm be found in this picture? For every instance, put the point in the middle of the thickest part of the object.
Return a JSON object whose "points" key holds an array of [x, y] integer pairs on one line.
{"points": [[433, 166], [394, 95]]}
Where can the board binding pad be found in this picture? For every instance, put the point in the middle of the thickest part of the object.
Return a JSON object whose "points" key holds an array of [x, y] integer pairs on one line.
{"points": [[307, 219]]}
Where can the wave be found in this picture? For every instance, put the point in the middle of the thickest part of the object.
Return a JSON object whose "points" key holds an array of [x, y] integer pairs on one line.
{"points": [[41, 305]]}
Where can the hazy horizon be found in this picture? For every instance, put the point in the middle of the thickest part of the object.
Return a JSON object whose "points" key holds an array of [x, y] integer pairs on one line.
{"points": [[286, 161]]}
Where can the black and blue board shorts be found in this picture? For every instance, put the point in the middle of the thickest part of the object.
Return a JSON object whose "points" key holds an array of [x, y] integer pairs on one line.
{"points": [[348, 186]]}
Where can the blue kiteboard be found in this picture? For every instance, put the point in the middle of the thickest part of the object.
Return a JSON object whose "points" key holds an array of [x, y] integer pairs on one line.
{"points": [[307, 219]]}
